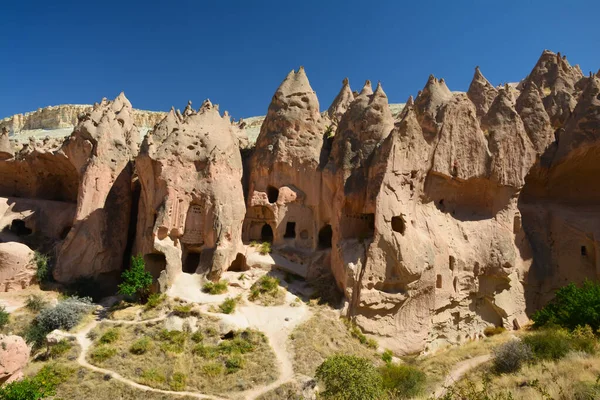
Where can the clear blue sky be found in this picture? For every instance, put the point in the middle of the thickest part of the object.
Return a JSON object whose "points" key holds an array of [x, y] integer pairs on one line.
{"points": [[237, 52]]}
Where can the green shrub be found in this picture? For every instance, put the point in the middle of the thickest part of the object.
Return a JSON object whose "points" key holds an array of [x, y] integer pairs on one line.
{"points": [[177, 381], [60, 348], [265, 286], [349, 378], [173, 341], [493, 330], [136, 281], [228, 305], [402, 381], [264, 248], [197, 337], [4, 317], [154, 300], [102, 353], [35, 303], [549, 344], [387, 356], [583, 339], [213, 369], [152, 376], [572, 307], [42, 385], [216, 287], [110, 336], [510, 356], [234, 363], [372, 344], [205, 351], [183, 310], [41, 261], [140, 346]]}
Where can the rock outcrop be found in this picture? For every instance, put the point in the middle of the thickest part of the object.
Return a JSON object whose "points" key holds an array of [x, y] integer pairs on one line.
{"points": [[460, 211], [191, 203], [14, 355], [17, 269]]}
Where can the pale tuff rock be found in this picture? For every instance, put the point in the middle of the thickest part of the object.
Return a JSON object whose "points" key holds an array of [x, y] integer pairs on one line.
{"points": [[6, 148], [191, 204], [100, 150], [14, 355], [340, 104], [17, 270], [428, 103], [482, 93], [536, 121]]}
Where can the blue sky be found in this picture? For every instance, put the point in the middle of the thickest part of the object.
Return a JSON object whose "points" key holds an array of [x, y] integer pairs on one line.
{"points": [[237, 52]]}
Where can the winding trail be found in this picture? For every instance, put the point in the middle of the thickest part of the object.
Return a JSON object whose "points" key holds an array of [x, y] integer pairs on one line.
{"points": [[458, 371]]}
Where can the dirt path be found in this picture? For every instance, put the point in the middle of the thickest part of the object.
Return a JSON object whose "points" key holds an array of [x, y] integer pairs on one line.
{"points": [[459, 370], [85, 344]]}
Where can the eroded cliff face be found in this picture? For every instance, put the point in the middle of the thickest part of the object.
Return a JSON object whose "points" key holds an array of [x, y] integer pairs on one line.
{"points": [[191, 205], [460, 211]]}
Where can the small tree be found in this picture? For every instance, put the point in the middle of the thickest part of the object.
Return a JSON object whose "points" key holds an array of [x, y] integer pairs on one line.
{"points": [[348, 377], [136, 280]]}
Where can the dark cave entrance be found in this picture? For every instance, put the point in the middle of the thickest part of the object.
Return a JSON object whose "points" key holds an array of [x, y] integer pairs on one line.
{"points": [[325, 235], [190, 265], [266, 233], [239, 264], [272, 194], [290, 230], [18, 227]]}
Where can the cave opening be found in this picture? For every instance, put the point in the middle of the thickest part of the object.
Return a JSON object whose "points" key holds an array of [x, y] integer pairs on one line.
{"points": [[438, 282], [290, 230], [239, 264], [190, 265], [583, 251], [272, 194], [266, 233], [325, 235], [19, 228], [398, 224]]}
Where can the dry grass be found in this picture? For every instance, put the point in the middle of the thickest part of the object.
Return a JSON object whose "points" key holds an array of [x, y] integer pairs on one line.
{"points": [[323, 335], [18, 321], [571, 378], [287, 391], [184, 361], [436, 366]]}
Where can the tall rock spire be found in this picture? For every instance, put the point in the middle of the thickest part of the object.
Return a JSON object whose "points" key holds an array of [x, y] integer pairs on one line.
{"points": [[536, 121], [428, 103], [341, 103], [481, 92]]}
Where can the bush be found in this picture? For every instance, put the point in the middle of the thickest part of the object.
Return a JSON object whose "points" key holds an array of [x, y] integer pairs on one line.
{"points": [[216, 287], [228, 306], [154, 300], [266, 285], [4, 317], [493, 330], [103, 353], [110, 336], [264, 248], [469, 390], [197, 337], [583, 339], [183, 310], [549, 344], [173, 341], [60, 348], [387, 356], [510, 356], [177, 381], [152, 376], [402, 381], [42, 385], [234, 363], [36, 303], [136, 280], [42, 273], [349, 377], [213, 369], [572, 307], [140, 346]]}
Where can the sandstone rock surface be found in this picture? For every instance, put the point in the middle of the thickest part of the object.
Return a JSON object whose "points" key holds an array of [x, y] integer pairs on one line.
{"points": [[14, 355]]}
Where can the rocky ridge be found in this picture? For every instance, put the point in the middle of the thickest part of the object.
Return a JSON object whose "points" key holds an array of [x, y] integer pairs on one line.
{"points": [[435, 221]]}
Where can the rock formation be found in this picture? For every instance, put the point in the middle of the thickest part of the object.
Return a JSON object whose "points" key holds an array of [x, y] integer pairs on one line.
{"points": [[191, 203], [460, 211], [14, 355], [17, 269]]}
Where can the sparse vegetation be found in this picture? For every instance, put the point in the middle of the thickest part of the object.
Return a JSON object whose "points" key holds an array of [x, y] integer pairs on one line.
{"points": [[60, 348], [387, 356], [154, 300], [511, 356], [219, 287], [40, 386], [136, 281], [493, 330], [350, 378], [402, 381], [229, 304], [36, 303], [102, 353], [264, 248], [177, 381], [110, 336], [182, 310], [41, 261], [4, 317], [140, 346], [266, 290]]}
